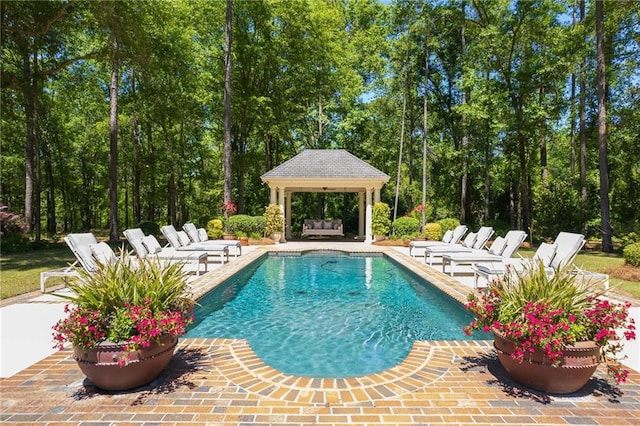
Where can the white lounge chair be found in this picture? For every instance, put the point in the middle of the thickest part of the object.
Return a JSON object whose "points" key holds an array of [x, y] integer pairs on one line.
{"points": [[147, 246], [514, 240], [181, 241], [473, 241], [88, 252], [450, 238], [553, 256], [199, 236]]}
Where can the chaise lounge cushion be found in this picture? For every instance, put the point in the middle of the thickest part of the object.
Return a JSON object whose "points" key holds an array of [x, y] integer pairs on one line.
{"points": [[151, 244], [103, 253]]}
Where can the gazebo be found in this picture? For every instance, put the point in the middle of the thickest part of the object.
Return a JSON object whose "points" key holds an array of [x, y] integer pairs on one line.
{"points": [[327, 170]]}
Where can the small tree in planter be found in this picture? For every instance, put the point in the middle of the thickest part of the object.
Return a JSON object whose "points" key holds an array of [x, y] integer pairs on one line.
{"points": [[380, 219], [274, 222]]}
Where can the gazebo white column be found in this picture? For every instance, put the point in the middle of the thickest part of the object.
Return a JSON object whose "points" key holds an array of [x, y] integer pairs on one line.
{"points": [[272, 195], [281, 192], [368, 239], [360, 216], [287, 215], [376, 195]]}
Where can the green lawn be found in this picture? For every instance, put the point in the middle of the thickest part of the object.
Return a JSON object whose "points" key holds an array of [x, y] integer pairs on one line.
{"points": [[20, 273]]}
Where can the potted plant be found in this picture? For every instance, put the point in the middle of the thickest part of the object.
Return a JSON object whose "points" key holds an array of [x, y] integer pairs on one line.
{"points": [[274, 222], [551, 332], [380, 221], [243, 238], [124, 321], [228, 210]]}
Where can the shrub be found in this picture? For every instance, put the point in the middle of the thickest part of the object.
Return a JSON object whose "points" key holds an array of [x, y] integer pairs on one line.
{"points": [[559, 208], [405, 226], [380, 219], [630, 238], [448, 224], [500, 227], [273, 220], [149, 227], [631, 254], [214, 228], [13, 232], [246, 224], [433, 231]]}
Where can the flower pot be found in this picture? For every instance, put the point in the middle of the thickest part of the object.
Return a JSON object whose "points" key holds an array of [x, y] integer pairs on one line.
{"points": [[276, 237], [244, 241], [379, 237], [576, 367], [100, 364], [228, 237]]}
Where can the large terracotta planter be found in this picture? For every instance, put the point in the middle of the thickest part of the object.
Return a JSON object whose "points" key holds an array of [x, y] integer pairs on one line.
{"points": [[228, 237], [100, 366], [578, 364]]}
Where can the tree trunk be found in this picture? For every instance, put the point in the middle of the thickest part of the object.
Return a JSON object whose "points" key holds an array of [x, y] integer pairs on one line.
{"points": [[425, 131], [151, 158], [28, 164], [51, 189], [37, 181], [137, 170], [465, 141], [572, 115], [227, 102], [607, 243], [583, 128], [403, 118], [113, 147], [543, 145]]}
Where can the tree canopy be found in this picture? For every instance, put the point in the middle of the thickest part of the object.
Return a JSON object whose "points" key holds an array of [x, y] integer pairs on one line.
{"points": [[113, 113]]}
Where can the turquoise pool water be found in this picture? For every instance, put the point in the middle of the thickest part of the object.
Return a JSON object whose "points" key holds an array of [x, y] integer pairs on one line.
{"points": [[329, 315]]}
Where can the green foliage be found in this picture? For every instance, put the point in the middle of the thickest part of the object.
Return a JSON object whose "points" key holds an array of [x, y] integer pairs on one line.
{"points": [[630, 238], [129, 281], [500, 227], [433, 231], [381, 219], [149, 227], [13, 238], [246, 224], [121, 327], [631, 254], [215, 228], [557, 208], [405, 226], [448, 224], [273, 220]]}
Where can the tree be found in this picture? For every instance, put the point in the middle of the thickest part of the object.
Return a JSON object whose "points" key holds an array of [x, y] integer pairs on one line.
{"points": [[607, 243], [227, 102]]}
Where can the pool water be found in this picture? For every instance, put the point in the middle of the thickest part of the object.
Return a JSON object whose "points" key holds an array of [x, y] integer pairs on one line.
{"points": [[333, 316]]}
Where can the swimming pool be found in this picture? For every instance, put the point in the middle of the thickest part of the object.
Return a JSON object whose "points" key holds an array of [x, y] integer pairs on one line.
{"points": [[329, 314]]}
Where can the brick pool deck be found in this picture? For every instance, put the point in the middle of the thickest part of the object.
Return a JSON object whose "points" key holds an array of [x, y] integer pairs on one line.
{"points": [[222, 382]]}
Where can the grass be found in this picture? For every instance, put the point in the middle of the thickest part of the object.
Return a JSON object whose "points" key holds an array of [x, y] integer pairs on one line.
{"points": [[20, 272]]}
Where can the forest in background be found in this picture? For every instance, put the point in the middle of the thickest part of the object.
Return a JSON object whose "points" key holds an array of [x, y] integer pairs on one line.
{"points": [[523, 114]]}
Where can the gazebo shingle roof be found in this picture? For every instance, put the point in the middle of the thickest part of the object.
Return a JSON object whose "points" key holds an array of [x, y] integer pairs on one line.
{"points": [[325, 163]]}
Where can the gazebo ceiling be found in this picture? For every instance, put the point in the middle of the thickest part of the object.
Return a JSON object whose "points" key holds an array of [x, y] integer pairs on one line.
{"points": [[325, 170]]}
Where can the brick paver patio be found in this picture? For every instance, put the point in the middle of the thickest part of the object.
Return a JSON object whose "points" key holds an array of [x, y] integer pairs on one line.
{"points": [[221, 381]]}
